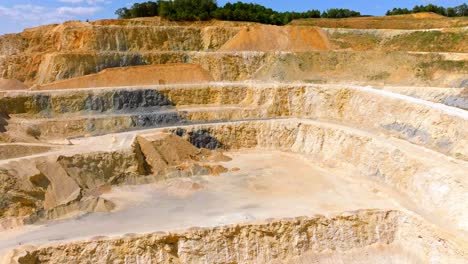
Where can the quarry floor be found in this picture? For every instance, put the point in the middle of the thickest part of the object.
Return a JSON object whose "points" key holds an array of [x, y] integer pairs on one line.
{"points": [[260, 185]]}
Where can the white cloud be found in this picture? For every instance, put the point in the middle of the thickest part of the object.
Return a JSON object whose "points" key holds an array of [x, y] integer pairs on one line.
{"points": [[89, 2], [21, 11], [93, 2], [77, 11], [34, 15], [71, 1]]}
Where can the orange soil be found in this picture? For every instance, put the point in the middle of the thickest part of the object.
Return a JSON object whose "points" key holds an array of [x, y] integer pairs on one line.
{"points": [[10, 84], [135, 75], [274, 38]]}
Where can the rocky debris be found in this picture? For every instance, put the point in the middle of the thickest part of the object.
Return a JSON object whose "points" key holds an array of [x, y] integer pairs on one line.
{"points": [[181, 188], [152, 156], [171, 156], [62, 189], [53, 187], [22, 191], [216, 170], [93, 170], [86, 205]]}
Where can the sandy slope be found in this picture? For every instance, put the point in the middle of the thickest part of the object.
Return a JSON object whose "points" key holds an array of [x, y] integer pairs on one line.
{"points": [[135, 75]]}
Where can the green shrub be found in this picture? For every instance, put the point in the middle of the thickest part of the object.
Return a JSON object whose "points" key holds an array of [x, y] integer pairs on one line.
{"points": [[146, 9], [33, 131]]}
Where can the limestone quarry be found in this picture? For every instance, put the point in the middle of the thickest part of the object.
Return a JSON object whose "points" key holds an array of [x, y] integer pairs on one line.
{"points": [[150, 141]]}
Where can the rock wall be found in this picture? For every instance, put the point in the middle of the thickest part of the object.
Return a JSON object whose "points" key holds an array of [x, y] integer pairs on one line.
{"points": [[390, 162], [280, 240], [56, 52], [395, 115], [86, 37], [395, 68], [26, 54]]}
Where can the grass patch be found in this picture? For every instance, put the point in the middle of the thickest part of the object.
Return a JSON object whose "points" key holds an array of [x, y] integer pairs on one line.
{"points": [[429, 41], [425, 70], [355, 41], [379, 76]]}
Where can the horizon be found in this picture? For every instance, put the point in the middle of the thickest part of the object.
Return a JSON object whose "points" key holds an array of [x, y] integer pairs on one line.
{"points": [[17, 15]]}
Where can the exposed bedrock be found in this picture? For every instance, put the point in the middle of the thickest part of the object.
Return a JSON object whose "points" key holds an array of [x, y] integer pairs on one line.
{"points": [[428, 178], [320, 66], [435, 182], [281, 241], [380, 171], [61, 184], [424, 123], [54, 186], [155, 34], [222, 66], [87, 37], [456, 97]]}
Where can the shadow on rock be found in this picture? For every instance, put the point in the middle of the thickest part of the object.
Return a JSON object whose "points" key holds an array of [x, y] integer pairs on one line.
{"points": [[3, 120], [200, 138]]}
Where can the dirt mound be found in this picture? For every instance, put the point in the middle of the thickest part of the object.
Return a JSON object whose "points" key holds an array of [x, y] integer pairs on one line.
{"points": [[126, 76], [11, 84], [274, 38]]}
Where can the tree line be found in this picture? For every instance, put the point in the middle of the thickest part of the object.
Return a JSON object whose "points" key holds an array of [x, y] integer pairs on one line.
{"points": [[457, 11], [200, 10]]}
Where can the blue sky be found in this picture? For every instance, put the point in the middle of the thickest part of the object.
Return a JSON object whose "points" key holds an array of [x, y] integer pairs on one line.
{"points": [[15, 15]]}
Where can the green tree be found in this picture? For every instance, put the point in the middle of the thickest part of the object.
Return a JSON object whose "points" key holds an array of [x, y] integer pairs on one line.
{"points": [[461, 10], [340, 13], [398, 11], [123, 13], [146, 9], [187, 10]]}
